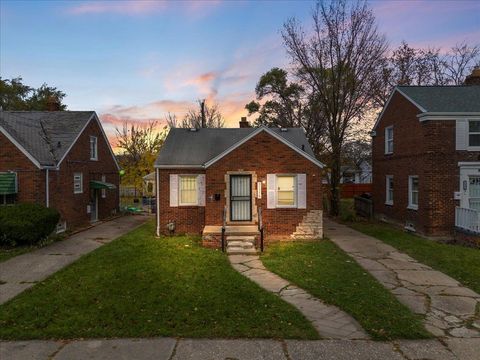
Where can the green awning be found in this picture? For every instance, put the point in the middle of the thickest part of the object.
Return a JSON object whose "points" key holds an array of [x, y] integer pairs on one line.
{"points": [[8, 183], [96, 184]]}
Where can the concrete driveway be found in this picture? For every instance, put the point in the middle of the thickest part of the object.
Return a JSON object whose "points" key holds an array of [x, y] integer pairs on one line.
{"points": [[22, 272]]}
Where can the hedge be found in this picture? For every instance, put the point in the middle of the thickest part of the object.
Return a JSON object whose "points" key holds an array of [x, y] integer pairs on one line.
{"points": [[26, 224]]}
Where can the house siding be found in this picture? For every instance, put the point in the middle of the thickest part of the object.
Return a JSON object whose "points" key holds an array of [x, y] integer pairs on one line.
{"points": [[426, 149], [72, 207], [261, 155]]}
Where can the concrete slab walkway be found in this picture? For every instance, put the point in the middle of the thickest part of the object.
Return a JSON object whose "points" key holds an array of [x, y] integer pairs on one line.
{"points": [[22, 272], [240, 349], [449, 308], [328, 320]]}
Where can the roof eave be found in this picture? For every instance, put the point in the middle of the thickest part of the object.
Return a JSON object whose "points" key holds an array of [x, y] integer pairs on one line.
{"points": [[164, 166]]}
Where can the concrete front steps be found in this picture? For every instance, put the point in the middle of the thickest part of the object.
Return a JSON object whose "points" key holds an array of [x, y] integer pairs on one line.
{"points": [[241, 245], [311, 226]]}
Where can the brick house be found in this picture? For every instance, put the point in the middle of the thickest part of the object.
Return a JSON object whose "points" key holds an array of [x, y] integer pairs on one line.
{"points": [[244, 174], [426, 159], [60, 159]]}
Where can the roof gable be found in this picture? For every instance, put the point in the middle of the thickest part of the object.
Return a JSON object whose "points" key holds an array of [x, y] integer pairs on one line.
{"points": [[438, 99], [46, 137], [184, 148]]}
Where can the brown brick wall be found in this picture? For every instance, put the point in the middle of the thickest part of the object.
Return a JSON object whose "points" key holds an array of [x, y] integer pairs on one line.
{"points": [[426, 149], [260, 156], [72, 207]]}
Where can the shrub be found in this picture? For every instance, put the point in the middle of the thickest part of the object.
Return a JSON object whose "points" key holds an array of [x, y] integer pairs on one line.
{"points": [[26, 224]]}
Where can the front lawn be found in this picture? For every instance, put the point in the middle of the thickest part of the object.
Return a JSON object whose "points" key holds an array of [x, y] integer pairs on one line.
{"points": [[140, 286], [461, 263], [328, 273]]}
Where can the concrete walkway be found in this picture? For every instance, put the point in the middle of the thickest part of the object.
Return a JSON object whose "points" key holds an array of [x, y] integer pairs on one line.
{"points": [[328, 320], [240, 349], [22, 272], [449, 308]]}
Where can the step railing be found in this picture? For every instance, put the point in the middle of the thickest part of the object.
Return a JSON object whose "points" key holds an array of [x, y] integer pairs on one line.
{"points": [[467, 219], [224, 225], [260, 227]]}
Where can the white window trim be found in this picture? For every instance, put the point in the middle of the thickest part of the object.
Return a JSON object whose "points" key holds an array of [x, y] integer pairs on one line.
{"points": [[95, 158], [388, 140], [471, 148], [387, 190], [294, 206], [81, 183], [180, 190], [412, 206]]}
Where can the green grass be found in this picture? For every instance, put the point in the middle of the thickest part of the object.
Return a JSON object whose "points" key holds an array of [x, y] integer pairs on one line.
{"points": [[328, 273], [140, 286], [461, 263], [9, 252]]}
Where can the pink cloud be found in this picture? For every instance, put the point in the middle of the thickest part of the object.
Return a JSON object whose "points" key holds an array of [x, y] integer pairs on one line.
{"points": [[140, 7]]}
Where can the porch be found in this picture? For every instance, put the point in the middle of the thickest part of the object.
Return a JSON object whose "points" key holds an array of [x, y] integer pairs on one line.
{"points": [[468, 220]]}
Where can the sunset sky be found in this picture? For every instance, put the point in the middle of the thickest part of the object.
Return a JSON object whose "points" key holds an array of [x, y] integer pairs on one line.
{"points": [[137, 60]]}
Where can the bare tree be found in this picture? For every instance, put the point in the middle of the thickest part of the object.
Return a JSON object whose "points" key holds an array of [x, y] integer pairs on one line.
{"points": [[212, 116], [460, 62], [339, 62]]}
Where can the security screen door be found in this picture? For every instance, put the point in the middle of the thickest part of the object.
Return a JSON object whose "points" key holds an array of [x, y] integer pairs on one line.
{"points": [[240, 198]]}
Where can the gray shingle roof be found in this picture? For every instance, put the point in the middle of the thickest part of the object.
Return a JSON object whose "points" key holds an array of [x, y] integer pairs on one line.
{"points": [[445, 98], [34, 130], [184, 147]]}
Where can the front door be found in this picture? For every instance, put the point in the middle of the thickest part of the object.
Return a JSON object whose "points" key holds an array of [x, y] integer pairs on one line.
{"points": [[240, 198]]}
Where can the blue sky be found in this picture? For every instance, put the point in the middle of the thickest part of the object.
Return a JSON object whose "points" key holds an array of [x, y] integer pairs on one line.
{"points": [[138, 60]]}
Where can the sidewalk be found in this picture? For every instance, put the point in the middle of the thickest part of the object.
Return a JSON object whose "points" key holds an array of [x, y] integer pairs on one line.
{"points": [[240, 349], [22, 272], [449, 308], [329, 321]]}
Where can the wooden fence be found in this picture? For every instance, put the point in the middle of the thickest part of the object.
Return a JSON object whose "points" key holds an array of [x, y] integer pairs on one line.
{"points": [[348, 191]]}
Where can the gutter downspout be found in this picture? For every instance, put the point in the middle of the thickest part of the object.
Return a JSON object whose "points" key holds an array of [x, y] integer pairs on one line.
{"points": [[47, 192], [157, 199]]}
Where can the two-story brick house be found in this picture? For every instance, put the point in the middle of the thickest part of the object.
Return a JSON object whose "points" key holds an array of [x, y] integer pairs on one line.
{"points": [[60, 159], [242, 175], [426, 158]]}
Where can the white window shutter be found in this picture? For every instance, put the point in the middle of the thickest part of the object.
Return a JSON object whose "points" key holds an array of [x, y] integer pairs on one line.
{"points": [[461, 134], [302, 191], [201, 189], [271, 191], [173, 190]]}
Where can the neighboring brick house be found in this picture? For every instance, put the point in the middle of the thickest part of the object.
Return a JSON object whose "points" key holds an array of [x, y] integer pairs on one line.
{"points": [[426, 159], [202, 173], [60, 159]]}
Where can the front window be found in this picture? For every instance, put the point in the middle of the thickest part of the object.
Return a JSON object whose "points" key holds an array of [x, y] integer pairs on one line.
{"points": [[413, 192], [474, 192], [77, 183], [188, 190], [104, 191], [389, 190], [286, 190], [474, 133], [389, 140], [93, 148]]}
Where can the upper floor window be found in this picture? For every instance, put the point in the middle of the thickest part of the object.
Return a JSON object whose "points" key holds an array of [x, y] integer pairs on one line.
{"points": [[286, 191], [389, 190], [474, 133], [413, 192], [93, 148], [389, 140], [77, 183]]}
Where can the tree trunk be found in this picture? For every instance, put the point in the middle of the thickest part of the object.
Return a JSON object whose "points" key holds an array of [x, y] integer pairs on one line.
{"points": [[335, 176]]}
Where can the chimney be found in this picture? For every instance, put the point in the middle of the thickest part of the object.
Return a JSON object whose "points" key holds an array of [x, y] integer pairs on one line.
{"points": [[53, 104], [202, 112], [474, 77], [244, 123]]}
